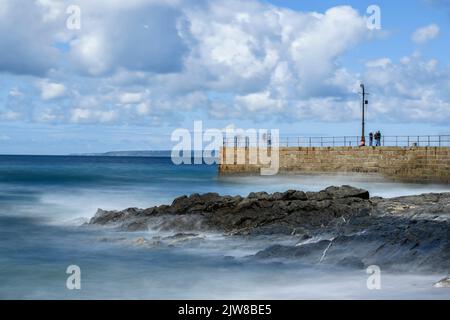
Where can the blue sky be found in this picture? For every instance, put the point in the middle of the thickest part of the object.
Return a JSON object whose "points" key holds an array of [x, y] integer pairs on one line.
{"points": [[135, 71]]}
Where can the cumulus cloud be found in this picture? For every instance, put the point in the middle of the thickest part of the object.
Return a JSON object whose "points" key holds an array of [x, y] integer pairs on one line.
{"points": [[134, 35], [414, 89], [130, 97], [154, 61], [4, 137], [79, 115], [26, 38], [425, 34], [269, 59], [51, 90]]}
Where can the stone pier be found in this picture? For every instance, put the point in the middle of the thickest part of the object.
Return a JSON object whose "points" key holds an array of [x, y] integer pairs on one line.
{"points": [[422, 164]]}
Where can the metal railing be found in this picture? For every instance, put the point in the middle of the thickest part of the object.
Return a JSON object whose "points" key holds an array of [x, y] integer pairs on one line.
{"points": [[346, 141]]}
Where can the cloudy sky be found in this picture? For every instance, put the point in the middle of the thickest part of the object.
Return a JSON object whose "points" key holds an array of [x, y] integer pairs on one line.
{"points": [[135, 70]]}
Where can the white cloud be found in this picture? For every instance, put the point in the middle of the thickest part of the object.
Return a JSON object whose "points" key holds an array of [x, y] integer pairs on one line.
{"points": [[260, 101], [80, 115], [4, 137], [15, 92], [147, 40], [425, 34], [143, 108], [10, 115], [411, 90], [155, 61], [26, 38], [51, 90], [46, 115], [262, 57], [379, 63], [245, 55], [130, 97]]}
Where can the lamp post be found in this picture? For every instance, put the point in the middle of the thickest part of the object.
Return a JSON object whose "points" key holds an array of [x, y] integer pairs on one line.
{"points": [[364, 103]]}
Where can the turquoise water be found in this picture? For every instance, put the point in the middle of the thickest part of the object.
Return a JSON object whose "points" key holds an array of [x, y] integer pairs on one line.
{"points": [[45, 200]]}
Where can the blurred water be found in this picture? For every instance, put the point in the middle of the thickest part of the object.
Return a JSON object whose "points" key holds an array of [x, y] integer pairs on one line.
{"points": [[44, 200]]}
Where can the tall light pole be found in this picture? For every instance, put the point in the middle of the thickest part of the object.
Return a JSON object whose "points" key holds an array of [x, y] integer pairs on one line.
{"points": [[364, 103]]}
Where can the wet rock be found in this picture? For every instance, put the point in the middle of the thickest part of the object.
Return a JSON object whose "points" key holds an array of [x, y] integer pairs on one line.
{"points": [[259, 195], [411, 232], [294, 195], [347, 192], [312, 251], [443, 283], [140, 241], [181, 236], [432, 206], [259, 212], [351, 262]]}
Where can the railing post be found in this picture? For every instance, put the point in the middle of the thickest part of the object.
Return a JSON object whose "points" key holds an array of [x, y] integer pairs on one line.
{"points": [[439, 141], [396, 141], [345, 141], [310, 145], [429, 145], [321, 141], [407, 142]]}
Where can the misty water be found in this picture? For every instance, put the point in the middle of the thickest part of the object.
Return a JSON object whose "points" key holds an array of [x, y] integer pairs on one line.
{"points": [[44, 202]]}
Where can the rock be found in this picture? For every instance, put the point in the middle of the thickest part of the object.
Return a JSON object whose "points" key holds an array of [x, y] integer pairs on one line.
{"points": [[347, 192], [280, 211], [103, 217], [140, 241], [431, 206], [294, 195], [311, 250], [352, 262], [318, 196], [258, 195], [443, 283], [136, 225], [181, 236], [411, 232]]}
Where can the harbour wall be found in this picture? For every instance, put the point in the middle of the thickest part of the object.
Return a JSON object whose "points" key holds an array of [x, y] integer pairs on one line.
{"points": [[423, 164]]}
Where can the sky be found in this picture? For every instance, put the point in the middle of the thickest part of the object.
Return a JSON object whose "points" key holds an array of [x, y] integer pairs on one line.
{"points": [[95, 76]]}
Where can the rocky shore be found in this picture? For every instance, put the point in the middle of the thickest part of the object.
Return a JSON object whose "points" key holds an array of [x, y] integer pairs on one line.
{"points": [[339, 225]]}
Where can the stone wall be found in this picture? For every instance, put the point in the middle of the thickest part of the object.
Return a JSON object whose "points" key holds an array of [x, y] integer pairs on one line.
{"points": [[427, 164]]}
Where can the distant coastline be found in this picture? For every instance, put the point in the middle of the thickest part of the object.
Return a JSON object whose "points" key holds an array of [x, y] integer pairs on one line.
{"points": [[141, 153]]}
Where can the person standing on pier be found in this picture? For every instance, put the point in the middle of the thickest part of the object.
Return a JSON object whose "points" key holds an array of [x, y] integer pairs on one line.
{"points": [[378, 138], [371, 139]]}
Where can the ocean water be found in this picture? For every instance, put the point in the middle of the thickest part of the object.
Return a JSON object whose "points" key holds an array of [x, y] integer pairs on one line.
{"points": [[45, 200]]}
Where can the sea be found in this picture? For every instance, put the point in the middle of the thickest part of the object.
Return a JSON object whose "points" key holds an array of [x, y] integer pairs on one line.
{"points": [[45, 202]]}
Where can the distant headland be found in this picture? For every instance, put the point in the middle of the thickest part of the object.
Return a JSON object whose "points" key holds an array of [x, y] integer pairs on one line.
{"points": [[137, 153]]}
